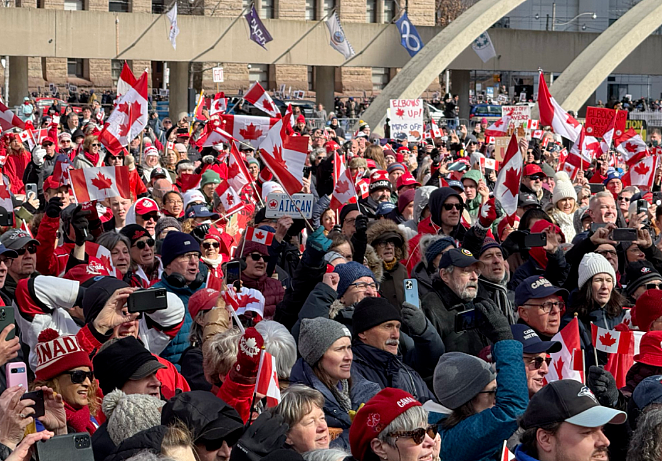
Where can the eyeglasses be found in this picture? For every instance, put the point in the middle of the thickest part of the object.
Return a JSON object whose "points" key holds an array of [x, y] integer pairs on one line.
{"points": [[32, 249], [96, 144], [492, 392], [549, 305], [363, 286], [450, 206], [257, 256], [65, 141], [535, 177], [116, 157], [143, 243], [175, 202], [538, 361], [79, 376], [627, 199], [150, 216], [209, 245], [387, 243], [607, 253], [417, 435], [653, 286]]}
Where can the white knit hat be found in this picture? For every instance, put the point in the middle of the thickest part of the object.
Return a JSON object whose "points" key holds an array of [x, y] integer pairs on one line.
{"points": [[592, 264], [129, 414], [563, 188]]}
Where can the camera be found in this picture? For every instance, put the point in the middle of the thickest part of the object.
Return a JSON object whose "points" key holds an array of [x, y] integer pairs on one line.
{"points": [[81, 442]]}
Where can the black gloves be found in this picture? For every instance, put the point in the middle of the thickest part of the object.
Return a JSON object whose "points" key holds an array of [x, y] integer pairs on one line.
{"points": [[81, 225], [413, 318], [361, 225], [266, 434], [603, 385], [54, 207], [496, 327]]}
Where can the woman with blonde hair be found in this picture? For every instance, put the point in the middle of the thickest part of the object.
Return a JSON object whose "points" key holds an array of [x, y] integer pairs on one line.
{"points": [[90, 156], [564, 205], [170, 160], [376, 153]]}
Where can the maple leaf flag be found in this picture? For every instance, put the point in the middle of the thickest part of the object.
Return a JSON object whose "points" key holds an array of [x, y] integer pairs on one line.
{"points": [[238, 175], [100, 183], [229, 198], [5, 199], [363, 188], [9, 120], [641, 174], [612, 341], [552, 114], [607, 137], [257, 96], [126, 81], [344, 185], [532, 124], [219, 105], [285, 155], [631, 147], [506, 189], [259, 236], [248, 128], [267, 379], [538, 134], [584, 150], [561, 366], [128, 119], [506, 454], [499, 128]]}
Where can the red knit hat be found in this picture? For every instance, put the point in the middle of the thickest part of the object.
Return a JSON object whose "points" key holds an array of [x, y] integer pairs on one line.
{"points": [[202, 300], [647, 309], [375, 415], [650, 349], [57, 354]]}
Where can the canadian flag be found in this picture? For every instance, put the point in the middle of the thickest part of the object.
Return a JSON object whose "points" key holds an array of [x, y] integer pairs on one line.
{"points": [[506, 454], [631, 147], [100, 183], [641, 174], [532, 124], [9, 120], [552, 114], [572, 170], [5, 199], [229, 198], [249, 299], [238, 175], [363, 187], [434, 130], [612, 341], [248, 128], [562, 362], [128, 119], [26, 136], [605, 144], [344, 185], [257, 96], [216, 136], [506, 189], [219, 105], [537, 134], [267, 379], [126, 81], [284, 155], [584, 150], [499, 128], [259, 236]]}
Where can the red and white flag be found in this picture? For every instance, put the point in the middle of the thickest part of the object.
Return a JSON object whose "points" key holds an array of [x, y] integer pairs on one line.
{"points": [[506, 189], [267, 379], [584, 150], [238, 175], [562, 366], [499, 128], [631, 147], [126, 81], [641, 174], [250, 300], [569, 168], [5, 199], [229, 198], [216, 136], [100, 183], [247, 128], [434, 130], [285, 155], [9, 120], [219, 105], [552, 114], [363, 188], [259, 236], [608, 136], [506, 454], [532, 124], [128, 119], [611, 341], [257, 96], [344, 185], [537, 134], [26, 228]]}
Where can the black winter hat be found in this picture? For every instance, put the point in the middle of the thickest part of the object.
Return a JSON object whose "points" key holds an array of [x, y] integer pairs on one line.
{"points": [[97, 293], [639, 273], [371, 312], [437, 199]]}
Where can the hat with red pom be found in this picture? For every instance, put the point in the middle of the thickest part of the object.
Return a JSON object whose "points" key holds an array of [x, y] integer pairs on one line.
{"points": [[57, 354]]}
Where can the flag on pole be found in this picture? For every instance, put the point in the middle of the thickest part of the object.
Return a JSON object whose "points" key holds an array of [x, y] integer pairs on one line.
{"points": [[267, 379], [631, 147], [219, 104], [344, 185], [126, 81], [238, 175], [258, 33], [174, 28], [641, 174], [552, 114], [409, 37], [562, 366], [506, 189], [99, 183], [611, 341], [506, 454], [338, 39], [257, 96], [8, 119], [259, 236], [229, 198], [500, 127], [483, 47]]}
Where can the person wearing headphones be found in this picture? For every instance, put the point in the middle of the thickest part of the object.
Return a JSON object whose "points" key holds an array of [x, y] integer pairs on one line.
{"points": [[180, 255]]}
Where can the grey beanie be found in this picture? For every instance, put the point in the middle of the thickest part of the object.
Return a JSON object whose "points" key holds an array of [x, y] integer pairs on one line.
{"points": [[129, 414], [459, 377], [317, 335], [165, 222]]}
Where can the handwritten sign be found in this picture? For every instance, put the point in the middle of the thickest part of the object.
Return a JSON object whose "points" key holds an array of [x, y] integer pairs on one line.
{"points": [[406, 116], [500, 147], [217, 74], [518, 114], [599, 118]]}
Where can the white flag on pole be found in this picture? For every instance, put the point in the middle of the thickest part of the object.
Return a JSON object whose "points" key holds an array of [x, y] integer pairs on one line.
{"points": [[483, 47], [338, 40], [174, 28]]}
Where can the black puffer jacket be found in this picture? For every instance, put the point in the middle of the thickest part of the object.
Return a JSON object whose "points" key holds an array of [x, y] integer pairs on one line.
{"points": [[148, 440]]}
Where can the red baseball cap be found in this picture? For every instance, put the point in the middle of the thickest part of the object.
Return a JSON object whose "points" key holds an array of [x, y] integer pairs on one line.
{"points": [[407, 180], [146, 205], [379, 175], [83, 272], [403, 149], [532, 168], [47, 139], [51, 183], [650, 352], [331, 146], [371, 163], [202, 300]]}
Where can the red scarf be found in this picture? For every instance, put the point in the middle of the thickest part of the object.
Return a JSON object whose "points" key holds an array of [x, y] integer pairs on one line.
{"points": [[94, 158], [538, 254], [80, 420]]}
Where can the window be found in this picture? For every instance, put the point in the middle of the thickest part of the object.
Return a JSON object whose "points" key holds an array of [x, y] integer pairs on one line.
{"points": [[311, 78], [75, 67], [116, 69], [371, 11], [259, 73], [158, 6], [267, 9], [119, 6], [380, 77], [311, 10], [328, 6], [246, 4], [73, 5], [389, 11]]}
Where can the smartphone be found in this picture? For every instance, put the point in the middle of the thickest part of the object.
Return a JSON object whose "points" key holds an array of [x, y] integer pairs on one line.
{"points": [[595, 188], [624, 234], [595, 226], [536, 239], [411, 292], [657, 198], [17, 374], [150, 299], [30, 190], [6, 319], [38, 397], [232, 272], [76, 446], [6, 217], [468, 320], [642, 206]]}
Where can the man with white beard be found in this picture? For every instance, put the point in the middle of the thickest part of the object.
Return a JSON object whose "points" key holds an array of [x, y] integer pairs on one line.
{"points": [[493, 280]]}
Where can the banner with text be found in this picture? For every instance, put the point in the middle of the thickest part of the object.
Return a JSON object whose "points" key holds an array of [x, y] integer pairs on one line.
{"points": [[599, 118], [406, 116], [517, 114]]}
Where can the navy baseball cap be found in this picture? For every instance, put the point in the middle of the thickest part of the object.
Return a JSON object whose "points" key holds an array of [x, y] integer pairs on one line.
{"points": [[384, 208], [526, 199], [456, 184], [648, 391], [458, 257], [612, 175], [10, 253], [531, 342], [536, 287], [200, 211]]}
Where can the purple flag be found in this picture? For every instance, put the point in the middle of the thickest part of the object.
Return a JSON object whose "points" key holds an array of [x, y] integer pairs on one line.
{"points": [[259, 33]]}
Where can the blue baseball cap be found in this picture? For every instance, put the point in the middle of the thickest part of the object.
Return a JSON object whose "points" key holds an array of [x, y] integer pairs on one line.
{"points": [[531, 342], [10, 253], [536, 287], [457, 184], [458, 257], [648, 391], [200, 211], [384, 208]]}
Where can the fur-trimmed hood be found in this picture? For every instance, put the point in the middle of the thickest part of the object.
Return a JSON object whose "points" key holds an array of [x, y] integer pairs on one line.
{"points": [[374, 263], [382, 227]]}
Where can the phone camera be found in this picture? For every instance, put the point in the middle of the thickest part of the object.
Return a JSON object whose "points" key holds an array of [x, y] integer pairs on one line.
{"points": [[82, 442], [3, 315]]}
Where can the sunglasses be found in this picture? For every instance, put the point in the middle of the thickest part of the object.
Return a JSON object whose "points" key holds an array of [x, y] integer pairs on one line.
{"points": [[32, 249], [96, 144], [417, 435], [258, 256], [150, 216], [450, 206], [653, 286], [535, 177], [209, 245], [116, 157], [5, 259], [538, 361], [79, 376], [143, 243]]}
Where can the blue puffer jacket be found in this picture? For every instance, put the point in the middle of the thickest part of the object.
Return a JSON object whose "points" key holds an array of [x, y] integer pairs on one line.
{"points": [[361, 391], [174, 350], [520, 455], [480, 436]]}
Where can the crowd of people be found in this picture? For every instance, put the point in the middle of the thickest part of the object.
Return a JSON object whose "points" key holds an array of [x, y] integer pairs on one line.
{"points": [[367, 368]]}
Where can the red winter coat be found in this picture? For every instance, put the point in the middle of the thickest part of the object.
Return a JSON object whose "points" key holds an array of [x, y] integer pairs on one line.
{"points": [[272, 290], [426, 226], [238, 396], [15, 167]]}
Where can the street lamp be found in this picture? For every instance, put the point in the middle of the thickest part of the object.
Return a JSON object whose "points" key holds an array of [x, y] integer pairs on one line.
{"points": [[554, 23]]}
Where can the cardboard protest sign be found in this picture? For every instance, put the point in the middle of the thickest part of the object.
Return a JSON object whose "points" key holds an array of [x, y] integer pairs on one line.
{"points": [[518, 114], [406, 116]]}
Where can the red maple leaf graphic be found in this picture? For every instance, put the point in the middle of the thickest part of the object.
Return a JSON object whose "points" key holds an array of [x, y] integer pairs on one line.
{"points": [[101, 182], [558, 366], [512, 181], [593, 147], [631, 147], [229, 198], [105, 260], [135, 112], [572, 121], [399, 112], [273, 204], [4, 193], [498, 123], [342, 187], [137, 234], [268, 107], [607, 340], [247, 299], [278, 155], [251, 132], [233, 171], [641, 168], [259, 235]]}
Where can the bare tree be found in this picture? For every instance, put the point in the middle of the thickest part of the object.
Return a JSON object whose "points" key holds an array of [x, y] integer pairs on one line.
{"points": [[448, 10]]}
